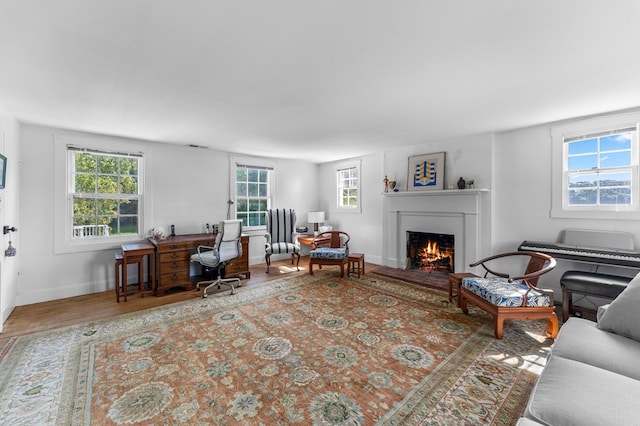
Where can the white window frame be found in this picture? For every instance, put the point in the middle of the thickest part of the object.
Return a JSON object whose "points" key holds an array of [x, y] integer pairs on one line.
{"points": [[259, 163], [339, 167], [63, 203], [560, 207], [74, 194]]}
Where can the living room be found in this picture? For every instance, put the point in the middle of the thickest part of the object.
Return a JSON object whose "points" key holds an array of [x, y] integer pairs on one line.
{"points": [[493, 90], [187, 186]]}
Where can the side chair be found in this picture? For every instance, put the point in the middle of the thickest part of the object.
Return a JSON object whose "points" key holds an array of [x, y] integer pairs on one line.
{"points": [[227, 248], [281, 237], [504, 296], [336, 254]]}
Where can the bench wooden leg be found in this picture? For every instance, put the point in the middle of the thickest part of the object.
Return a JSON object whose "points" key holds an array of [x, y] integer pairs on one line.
{"points": [[552, 326], [566, 305], [499, 326]]}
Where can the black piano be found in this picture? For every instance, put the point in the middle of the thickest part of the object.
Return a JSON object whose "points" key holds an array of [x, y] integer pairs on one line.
{"points": [[603, 247], [599, 247]]}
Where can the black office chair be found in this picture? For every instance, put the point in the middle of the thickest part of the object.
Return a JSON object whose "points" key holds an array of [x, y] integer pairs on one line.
{"points": [[227, 247]]}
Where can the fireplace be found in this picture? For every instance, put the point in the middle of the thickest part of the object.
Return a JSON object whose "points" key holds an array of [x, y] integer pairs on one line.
{"points": [[466, 214], [430, 252]]}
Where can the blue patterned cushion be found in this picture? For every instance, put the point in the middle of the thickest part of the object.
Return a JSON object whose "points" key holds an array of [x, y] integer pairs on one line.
{"points": [[328, 253], [500, 292]]}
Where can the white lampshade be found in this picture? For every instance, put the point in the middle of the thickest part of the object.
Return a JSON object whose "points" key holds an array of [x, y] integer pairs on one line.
{"points": [[315, 217]]}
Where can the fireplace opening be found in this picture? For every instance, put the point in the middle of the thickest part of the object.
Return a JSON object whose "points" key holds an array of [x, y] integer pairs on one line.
{"points": [[430, 252]]}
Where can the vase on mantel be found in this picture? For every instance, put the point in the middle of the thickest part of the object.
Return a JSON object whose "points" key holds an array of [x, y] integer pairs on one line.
{"points": [[461, 183]]}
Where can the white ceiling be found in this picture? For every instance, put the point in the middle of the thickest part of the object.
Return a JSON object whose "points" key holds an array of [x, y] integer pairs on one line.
{"points": [[314, 79]]}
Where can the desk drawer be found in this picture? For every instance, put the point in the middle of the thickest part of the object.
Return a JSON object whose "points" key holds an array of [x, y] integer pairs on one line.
{"points": [[174, 246], [178, 277], [175, 256], [208, 243], [169, 267], [234, 268]]}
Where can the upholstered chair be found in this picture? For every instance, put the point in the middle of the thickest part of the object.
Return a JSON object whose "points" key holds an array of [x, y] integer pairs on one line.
{"points": [[337, 252], [281, 237], [512, 296]]}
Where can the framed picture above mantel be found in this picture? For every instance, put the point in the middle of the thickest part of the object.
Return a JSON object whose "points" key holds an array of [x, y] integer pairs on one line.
{"points": [[426, 172]]}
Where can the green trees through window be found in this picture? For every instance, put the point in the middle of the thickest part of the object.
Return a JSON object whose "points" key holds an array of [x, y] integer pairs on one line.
{"points": [[253, 194], [105, 193]]}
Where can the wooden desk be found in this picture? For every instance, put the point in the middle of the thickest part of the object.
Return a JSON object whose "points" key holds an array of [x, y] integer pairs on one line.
{"points": [[132, 253], [174, 259], [308, 240]]}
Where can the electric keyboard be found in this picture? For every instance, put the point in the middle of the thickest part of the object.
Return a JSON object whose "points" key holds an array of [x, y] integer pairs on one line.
{"points": [[604, 247]]}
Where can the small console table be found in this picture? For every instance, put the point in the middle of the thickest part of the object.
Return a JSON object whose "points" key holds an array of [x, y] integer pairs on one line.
{"points": [[135, 253], [455, 280], [308, 240]]}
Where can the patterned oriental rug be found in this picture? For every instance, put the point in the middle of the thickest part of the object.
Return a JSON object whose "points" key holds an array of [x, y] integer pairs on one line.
{"points": [[304, 350]]}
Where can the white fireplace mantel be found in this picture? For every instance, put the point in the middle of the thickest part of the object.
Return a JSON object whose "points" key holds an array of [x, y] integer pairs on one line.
{"points": [[463, 213]]}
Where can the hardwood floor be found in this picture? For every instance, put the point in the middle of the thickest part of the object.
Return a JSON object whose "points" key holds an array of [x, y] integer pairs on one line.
{"points": [[44, 316]]}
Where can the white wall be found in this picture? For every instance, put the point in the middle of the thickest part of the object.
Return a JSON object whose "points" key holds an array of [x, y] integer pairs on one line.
{"points": [[365, 227], [188, 186], [9, 208], [522, 194], [191, 186], [469, 157], [514, 165]]}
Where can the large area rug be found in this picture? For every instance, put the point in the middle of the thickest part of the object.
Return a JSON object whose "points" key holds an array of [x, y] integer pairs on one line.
{"points": [[307, 350]]}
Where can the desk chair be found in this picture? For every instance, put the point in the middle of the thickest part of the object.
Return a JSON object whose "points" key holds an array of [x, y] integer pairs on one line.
{"points": [[227, 247]]}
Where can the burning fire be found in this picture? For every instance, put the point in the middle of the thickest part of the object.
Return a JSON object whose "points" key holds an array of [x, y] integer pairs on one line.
{"points": [[431, 256]]}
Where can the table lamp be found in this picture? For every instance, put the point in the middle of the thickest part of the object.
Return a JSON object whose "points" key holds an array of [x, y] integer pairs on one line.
{"points": [[315, 218]]}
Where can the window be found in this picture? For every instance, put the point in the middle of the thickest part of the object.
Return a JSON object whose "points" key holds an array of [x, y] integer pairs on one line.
{"points": [[348, 187], [253, 194], [598, 169], [595, 168], [105, 194]]}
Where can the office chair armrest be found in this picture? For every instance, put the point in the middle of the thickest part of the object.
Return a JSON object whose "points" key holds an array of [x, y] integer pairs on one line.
{"points": [[204, 248]]}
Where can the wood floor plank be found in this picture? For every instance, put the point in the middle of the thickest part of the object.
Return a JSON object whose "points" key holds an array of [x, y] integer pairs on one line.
{"points": [[54, 314]]}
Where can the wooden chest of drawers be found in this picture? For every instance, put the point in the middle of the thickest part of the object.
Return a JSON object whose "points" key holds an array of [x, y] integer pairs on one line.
{"points": [[173, 260], [241, 265]]}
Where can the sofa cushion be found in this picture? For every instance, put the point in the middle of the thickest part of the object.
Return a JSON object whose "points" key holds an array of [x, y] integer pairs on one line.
{"points": [[581, 340], [622, 315], [523, 421], [573, 393]]}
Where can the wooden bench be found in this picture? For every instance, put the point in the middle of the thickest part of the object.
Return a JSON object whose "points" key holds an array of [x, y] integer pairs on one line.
{"points": [[589, 284]]}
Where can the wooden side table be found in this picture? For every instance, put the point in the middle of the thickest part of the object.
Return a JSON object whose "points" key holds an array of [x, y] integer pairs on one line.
{"points": [[356, 264], [134, 253], [308, 240], [456, 280]]}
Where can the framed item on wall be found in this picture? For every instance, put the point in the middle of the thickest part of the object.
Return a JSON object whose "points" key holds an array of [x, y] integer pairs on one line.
{"points": [[3, 170], [426, 172]]}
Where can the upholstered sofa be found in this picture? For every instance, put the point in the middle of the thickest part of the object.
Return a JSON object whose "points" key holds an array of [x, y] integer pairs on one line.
{"points": [[592, 376]]}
